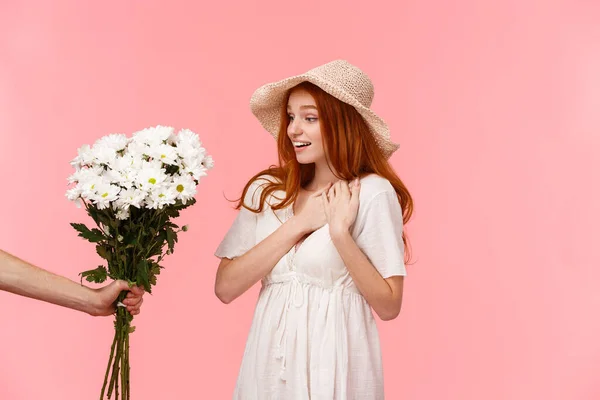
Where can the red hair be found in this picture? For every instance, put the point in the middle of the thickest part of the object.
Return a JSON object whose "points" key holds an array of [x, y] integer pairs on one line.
{"points": [[351, 152]]}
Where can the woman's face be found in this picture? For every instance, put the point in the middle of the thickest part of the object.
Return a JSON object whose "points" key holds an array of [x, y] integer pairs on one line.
{"points": [[304, 129]]}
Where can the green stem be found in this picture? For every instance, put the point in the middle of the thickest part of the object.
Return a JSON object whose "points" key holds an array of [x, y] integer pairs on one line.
{"points": [[112, 353], [123, 363], [115, 368], [127, 362], [117, 388], [119, 327], [117, 255]]}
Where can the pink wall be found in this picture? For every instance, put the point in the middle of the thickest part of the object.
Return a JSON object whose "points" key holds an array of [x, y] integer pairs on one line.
{"points": [[497, 108]]}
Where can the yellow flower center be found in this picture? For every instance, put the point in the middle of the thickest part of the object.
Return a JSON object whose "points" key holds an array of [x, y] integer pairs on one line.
{"points": [[180, 188], [152, 181]]}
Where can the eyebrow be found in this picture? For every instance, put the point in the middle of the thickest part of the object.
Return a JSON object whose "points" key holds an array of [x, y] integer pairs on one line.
{"points": [[305, 107]]}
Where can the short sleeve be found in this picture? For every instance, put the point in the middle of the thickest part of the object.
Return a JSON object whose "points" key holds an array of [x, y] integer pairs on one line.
{"points": [[241, 236], [380, 237]]}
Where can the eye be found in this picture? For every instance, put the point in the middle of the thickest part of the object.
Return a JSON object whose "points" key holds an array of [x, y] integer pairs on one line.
{"points": [[291, 117], [311, 119]]}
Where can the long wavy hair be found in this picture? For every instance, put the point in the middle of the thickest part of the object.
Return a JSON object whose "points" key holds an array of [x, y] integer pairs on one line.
{"points": [[351, 152]]}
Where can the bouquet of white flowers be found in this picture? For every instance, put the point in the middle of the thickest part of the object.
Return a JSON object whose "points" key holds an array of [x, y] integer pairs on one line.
{"points": [[132, 187]]}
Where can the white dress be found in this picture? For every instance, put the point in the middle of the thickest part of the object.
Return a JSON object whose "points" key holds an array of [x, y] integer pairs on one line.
{"points": [[313, 335]]}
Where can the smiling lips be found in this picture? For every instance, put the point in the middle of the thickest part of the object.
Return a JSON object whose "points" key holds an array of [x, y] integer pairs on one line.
{"points": [[300, 145]]}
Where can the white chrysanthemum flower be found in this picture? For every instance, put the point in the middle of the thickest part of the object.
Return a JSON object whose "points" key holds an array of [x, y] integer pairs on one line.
{"points": [[172, 139], [103, 194], [187, 138], [105, 229], [190, 155], [84, 157], [124, 171], [111, 176], [104, 155], [131, 197], [150, 176], [85, 174], [73, 193], [138, 150], [164, 153], [89, 185], [196, 170], [153, 136], [208, 162], [161, 196], [115, 141], [122, 213], [185, 187]]}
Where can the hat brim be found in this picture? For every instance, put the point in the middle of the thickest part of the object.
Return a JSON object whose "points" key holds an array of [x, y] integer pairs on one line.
{"points": [[267, 100]]}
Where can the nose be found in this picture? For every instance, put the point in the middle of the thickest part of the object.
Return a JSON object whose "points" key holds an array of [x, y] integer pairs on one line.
{"points": [[294, 128]]}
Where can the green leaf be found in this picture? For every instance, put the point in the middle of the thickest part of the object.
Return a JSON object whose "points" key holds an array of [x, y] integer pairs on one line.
{"points": [[105, 220], [171, 238], [93, 235], [104, 252], [130, 239], [143, 276], [154, 271], [172, 212], [97, 275], [93, 212]]}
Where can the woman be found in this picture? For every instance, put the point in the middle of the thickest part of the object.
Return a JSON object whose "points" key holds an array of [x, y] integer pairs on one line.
{"points": [[324, 234]]}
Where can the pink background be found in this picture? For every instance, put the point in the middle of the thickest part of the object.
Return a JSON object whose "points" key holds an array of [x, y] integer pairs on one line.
{"points": [[497, 108]]}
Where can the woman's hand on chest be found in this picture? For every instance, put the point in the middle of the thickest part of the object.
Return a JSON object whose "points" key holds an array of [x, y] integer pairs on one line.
{"points": [[340, 203]]}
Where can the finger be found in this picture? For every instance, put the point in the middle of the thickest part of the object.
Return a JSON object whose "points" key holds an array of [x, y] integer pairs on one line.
{"points": [[331, 193], [137, 290], [345, 189], [139, 304], [133, 301], [121, 284], [325, 200], [135, 306], [338, 188]]}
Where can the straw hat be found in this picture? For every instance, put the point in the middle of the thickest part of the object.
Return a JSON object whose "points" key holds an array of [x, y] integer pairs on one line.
{"points": [[340, 79]]}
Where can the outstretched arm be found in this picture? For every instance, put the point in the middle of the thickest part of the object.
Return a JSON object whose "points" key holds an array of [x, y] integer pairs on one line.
{"points": [[22, 278]]}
